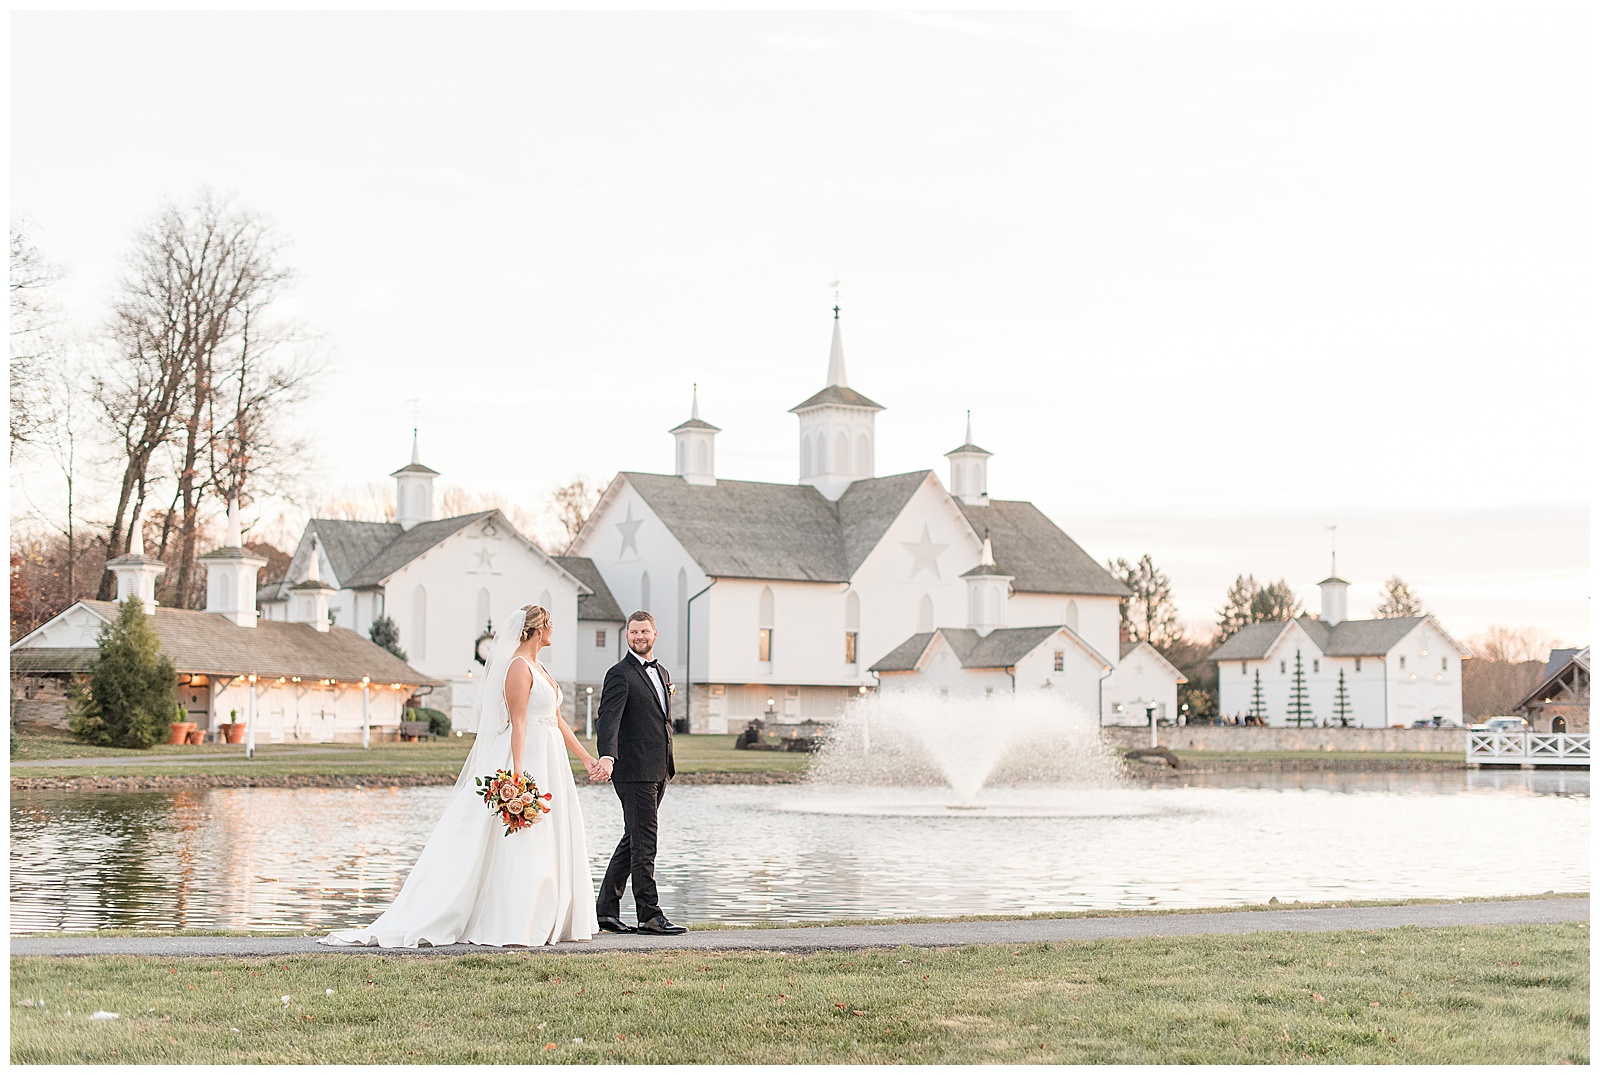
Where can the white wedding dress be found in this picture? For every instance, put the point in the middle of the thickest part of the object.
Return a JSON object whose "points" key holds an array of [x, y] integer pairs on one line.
{"points": [[473, 883]]}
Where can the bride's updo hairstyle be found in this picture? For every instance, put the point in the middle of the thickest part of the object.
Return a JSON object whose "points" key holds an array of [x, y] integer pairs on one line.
{"points": [[535, 619]]}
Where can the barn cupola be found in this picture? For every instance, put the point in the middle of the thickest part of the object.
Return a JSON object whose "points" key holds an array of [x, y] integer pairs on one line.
{"points": [[969, 470], [308, 600], [231, 575], [136, 572], [696, 447], [836, 429], [413, 490], [1335, 596], [987, 590]]}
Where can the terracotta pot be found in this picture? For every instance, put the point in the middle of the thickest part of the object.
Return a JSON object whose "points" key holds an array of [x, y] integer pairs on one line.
{"points": [[235, 732], [196, 737], [180, 732]]}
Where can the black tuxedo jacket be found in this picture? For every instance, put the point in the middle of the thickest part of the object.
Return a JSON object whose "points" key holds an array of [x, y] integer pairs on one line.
{"points": [[635, 731]]}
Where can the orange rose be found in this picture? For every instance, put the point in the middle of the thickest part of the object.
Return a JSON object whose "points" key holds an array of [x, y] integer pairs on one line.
{"points": [[514, 807]]}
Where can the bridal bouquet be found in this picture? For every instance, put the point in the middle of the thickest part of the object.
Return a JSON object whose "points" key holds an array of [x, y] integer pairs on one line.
{"points": [[515, 797]]}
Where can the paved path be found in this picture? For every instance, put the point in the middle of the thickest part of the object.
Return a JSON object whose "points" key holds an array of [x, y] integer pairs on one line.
{"points": [[839, 938]]}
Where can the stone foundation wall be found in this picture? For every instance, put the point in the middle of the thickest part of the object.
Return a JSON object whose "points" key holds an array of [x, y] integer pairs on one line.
{"points": [[39, 701], [1355, 740]]}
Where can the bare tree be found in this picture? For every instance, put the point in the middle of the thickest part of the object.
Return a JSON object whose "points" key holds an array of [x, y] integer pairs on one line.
{"points": [[372, 502], [454, 500], [197, 281], [571, 504], [33, 314], [1513, 645], [1398, 600]]}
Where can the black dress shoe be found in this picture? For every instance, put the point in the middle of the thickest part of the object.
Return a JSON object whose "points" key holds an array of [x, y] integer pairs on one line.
{"points": [[659, 925], [615, 925]]}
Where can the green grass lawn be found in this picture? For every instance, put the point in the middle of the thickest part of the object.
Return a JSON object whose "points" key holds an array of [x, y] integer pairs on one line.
{"points": [[1485, 995], [691, 754]]}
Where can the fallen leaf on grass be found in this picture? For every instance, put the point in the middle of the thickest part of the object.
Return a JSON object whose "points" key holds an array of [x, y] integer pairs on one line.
{"points": [[1374, 1004], [1318, 997], [857, 1012], [627, 992], [839, 1006], [548, 1046], [622, 1037]]}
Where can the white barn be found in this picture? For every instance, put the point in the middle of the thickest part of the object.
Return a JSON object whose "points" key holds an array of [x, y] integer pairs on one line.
{"points": [[1394, 671], [443, 581], [794, 592]]}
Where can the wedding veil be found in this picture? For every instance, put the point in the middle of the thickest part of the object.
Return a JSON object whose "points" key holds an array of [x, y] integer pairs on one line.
{"points": [[489, 707]]}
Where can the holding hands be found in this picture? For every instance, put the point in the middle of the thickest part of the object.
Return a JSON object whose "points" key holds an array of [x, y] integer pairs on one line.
{"points": [[599, 769]]}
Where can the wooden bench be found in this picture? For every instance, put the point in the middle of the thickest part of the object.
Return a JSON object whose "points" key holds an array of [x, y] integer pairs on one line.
{"points": [[415, 729]]}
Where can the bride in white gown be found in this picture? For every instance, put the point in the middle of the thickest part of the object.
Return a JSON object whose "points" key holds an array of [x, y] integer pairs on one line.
{"points": [[473, 883]]}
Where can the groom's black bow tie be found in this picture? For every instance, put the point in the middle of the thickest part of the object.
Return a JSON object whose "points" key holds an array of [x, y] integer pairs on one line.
{"points": [[650, 664]]}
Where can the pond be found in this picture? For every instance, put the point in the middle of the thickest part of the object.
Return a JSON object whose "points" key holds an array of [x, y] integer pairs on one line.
{"points": [[314, 859]]}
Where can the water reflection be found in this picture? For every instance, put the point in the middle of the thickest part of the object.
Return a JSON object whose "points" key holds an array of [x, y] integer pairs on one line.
{"points": [[269, 858]]}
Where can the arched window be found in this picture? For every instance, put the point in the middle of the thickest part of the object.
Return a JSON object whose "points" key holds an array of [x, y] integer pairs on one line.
{"points": [[805, 455], [702, 457], [852, 625], [418, 642], [683, 457], [841, 454], [484, 611], [765, 615], [545, 601], [1072, 614], [683, 617], [863, 454], [925, 615], [644, 591], [974, 606], [995, 598], [225, 592]]}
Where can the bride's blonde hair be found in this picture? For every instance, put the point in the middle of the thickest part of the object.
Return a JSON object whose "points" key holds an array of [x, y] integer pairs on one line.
{"points": [[535, 619]]}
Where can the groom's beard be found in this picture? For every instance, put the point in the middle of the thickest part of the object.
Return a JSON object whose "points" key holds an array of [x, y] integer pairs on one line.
{"points": [[642, 650]]}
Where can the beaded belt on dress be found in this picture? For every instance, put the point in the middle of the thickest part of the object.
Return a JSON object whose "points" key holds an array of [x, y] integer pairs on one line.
{"points": [[550, 722]]}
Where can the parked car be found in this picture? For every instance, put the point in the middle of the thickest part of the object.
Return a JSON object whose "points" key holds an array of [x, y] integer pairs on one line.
{"points": [[1502, 724], [1436, 722]]}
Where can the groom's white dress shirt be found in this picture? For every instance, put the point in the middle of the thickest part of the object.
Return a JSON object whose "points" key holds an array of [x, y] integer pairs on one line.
{"points": [[655, 681]]}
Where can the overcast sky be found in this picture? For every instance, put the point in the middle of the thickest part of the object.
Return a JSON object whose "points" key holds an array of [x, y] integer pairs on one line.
{"points": [[1208, 283]]}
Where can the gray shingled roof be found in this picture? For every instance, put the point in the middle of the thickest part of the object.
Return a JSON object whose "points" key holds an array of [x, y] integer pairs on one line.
{"points": [[599, 605], [694, 423], [1248, 643], [210, 643], [904, 657], [53, 659], [1349, 638], [408, 546], [868, 508], [1035, 552], [757, 530], [1001, 648], [969, 447], [838, 394], [1558, 660], [350, 545]]}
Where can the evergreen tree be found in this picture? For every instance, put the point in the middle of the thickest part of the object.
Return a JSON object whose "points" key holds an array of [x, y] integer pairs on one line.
{"points": [[132, 691], [1149, 615], [386, 633], [1299, 701], [1398, 600], [1341, 701], [1258, 701], [1249, 602]]}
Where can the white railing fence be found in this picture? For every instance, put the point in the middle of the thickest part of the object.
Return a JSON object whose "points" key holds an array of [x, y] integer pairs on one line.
{"points": [[1536, 748]]}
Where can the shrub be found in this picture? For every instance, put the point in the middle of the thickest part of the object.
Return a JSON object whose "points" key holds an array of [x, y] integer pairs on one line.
{"points": [[386, 633], [132, 689], [438, 720]]}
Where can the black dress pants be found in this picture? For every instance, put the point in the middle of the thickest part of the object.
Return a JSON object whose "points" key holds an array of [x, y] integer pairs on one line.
{"points": [[635, 855]]}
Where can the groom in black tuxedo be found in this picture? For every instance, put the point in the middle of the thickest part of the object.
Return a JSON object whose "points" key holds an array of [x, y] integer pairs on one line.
{"points": [[635, 747]]}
